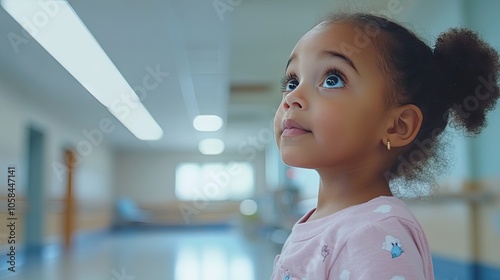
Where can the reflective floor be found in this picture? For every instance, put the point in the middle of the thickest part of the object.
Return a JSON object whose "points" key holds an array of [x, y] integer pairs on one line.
{"points": [[215, 254]]}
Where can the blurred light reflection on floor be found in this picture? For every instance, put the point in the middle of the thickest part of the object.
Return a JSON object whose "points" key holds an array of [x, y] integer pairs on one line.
{"points": [[215, 254]]}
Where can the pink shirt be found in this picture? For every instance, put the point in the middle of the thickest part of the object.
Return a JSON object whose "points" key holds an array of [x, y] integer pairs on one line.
{"points": [[379, 239]]}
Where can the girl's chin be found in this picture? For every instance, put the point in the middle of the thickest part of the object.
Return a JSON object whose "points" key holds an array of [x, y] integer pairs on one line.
{"points": [[297, 162], [309, 162]]}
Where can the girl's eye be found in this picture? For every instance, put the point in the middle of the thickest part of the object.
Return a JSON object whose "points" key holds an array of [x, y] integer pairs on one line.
{"points": [[333, 81], [291, 85], [289, 82]]}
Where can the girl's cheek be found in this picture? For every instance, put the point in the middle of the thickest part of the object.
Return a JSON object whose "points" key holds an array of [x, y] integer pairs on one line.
{"points": [[280, 111], [337, 130], [277, 123]]}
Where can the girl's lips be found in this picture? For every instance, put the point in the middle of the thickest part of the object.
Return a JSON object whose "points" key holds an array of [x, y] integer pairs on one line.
{"points": [[291, 127], [293, 132]]}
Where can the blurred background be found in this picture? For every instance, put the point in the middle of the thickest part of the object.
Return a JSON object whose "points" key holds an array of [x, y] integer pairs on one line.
{"points": [[137, 139]]}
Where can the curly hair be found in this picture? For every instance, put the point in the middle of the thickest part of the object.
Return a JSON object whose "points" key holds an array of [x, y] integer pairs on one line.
{"points": [[455, 83]]}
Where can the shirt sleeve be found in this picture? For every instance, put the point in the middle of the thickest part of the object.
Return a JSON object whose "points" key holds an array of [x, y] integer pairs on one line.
{"points": [[392, 249]]}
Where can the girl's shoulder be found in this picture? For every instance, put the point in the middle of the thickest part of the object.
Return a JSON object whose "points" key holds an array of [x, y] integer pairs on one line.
{"points": [[385, 239], [338, 227], [378, 212]]}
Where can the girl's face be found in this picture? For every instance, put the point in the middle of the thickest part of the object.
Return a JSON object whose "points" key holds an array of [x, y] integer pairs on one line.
{"points": [[333, 100]]}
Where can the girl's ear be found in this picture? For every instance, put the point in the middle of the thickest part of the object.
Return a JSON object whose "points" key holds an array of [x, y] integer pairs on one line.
{"points": [[403, 125]]}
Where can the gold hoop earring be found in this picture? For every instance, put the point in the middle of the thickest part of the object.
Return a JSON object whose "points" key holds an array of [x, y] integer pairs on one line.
{"points": [[388, 145]]}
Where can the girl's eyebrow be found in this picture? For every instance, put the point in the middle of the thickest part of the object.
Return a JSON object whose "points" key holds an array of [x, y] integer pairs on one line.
{"points": [[328, 53], [341, 56], [290, 60]]}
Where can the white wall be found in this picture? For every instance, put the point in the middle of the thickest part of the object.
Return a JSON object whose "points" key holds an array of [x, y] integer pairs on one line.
{"points": [[93, 174], [483, 17]]}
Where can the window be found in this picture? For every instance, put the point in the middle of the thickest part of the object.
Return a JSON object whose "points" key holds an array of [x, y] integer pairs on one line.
{"points": [[214, 181]]}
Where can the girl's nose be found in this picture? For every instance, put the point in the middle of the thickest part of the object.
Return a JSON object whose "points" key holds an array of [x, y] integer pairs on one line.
{"points": [[294, 100]]}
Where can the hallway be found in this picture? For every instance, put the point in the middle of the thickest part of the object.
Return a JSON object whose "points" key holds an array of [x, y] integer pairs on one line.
{"points": [[178, 254]]}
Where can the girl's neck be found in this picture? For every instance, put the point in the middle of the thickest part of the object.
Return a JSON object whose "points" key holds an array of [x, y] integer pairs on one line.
{"points": [[339, 190]]}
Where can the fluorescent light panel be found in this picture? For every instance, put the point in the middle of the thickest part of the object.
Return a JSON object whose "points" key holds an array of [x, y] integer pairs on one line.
{"points": [[139, 122], [207, 123], [59, 30], [211, 146]]}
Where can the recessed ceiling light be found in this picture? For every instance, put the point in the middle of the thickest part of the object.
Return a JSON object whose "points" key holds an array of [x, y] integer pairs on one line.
{"points": [[207, 123], [211, 146]]}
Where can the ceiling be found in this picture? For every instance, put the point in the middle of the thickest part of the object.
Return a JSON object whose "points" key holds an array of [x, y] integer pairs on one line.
{"points": [[224, 62]]}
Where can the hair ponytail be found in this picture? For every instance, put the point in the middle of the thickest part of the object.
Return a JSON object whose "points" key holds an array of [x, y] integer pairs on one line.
{"points": [[467, 69]]}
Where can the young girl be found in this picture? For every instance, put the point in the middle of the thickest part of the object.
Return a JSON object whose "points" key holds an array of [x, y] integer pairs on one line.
{"points": [[364, 103]]}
